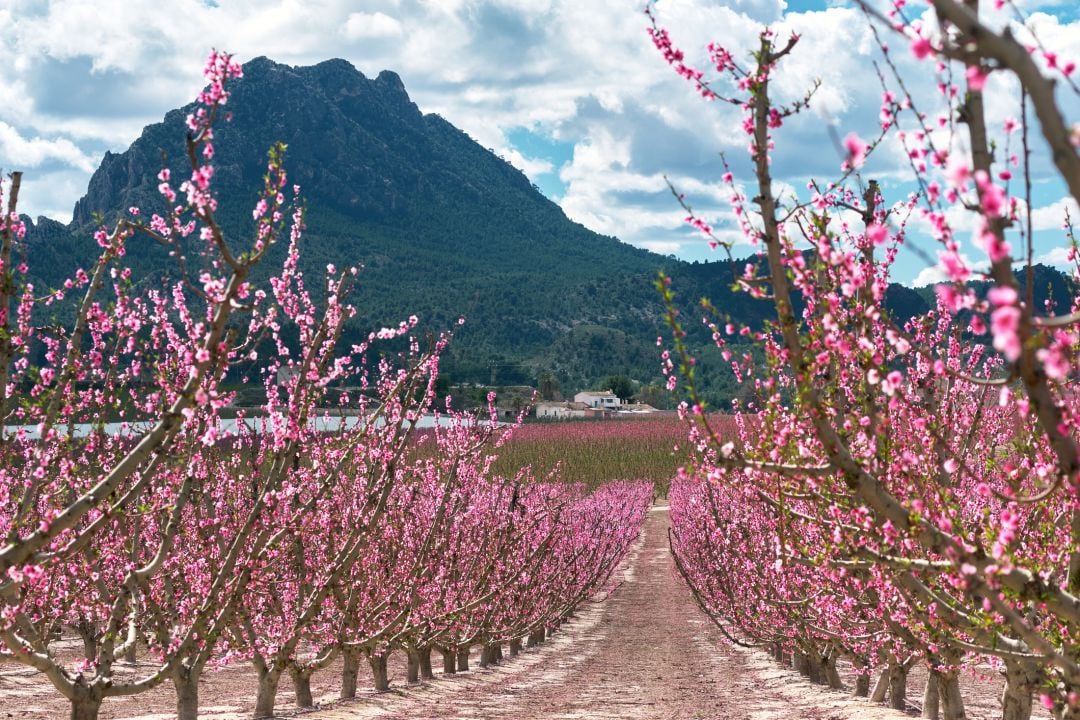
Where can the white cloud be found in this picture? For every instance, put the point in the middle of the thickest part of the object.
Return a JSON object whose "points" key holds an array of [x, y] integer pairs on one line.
{"points": [[21, 152], [1058, 257], [1052, 217], [935, 274], [663, 247], [46, 193], [78, 85], [532, 167], [372, 25]]}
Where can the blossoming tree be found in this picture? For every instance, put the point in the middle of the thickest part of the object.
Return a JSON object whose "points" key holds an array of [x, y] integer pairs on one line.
{"points": [[933, 463]]}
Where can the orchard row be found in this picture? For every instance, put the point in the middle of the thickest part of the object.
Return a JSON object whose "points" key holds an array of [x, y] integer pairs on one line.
{"points": [[900, 491], [187, 542]]}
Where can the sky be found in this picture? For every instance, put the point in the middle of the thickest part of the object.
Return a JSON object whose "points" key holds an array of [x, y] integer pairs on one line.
{"points": [[572, 92]]}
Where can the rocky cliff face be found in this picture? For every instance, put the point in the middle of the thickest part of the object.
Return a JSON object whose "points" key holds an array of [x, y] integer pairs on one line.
{"points": [[444, 226], [357, 145]]}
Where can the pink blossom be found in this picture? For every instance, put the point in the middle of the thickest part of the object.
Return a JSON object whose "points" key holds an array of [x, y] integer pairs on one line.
{"points": [[1005, 325], [957, 173], [976, 77], [856, 149], [920, 47], [877, 234], [1002, 295]]}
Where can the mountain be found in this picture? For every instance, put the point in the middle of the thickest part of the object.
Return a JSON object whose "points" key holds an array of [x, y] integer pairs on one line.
{"points": [[443, 226]]}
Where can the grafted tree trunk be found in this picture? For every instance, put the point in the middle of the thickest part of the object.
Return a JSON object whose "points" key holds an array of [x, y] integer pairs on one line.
{"points": [[515, 646], [536, 637], [449, 660], [930, 709], [832, 677], [463, 659], [490, 654], [89, 636], [801, 662], [266, 697], [412, 667], [816, 671], [862, 676], [881, 687], [898, 674], [379, 674], [186, 685], [952, 704], [86, 704], [131, 653], [350, 669], [425, 663], [301, 679], [1021, 679]]}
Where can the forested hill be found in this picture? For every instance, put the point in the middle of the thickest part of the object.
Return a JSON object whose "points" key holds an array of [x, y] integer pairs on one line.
{"points": [[443, 226]]}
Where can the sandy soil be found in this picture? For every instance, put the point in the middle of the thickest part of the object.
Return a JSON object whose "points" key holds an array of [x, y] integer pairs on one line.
{"points": [[645, 652]]}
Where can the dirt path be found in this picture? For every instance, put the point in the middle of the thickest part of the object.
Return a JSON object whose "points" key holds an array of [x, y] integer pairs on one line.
{"points": [[647, 652]]}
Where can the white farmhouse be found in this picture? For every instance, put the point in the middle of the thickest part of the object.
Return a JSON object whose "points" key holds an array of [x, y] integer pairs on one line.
{"points": [[601, 399]]}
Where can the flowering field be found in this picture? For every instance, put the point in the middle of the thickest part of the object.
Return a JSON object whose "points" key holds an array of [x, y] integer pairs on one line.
{"points": [[595, 451]]}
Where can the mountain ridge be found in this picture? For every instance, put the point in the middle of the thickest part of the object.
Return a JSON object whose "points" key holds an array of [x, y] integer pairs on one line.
{"points": [[444, 227]]}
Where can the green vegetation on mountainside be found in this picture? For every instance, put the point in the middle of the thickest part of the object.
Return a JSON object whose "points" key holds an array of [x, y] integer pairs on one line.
{"points": [[444, 228]]}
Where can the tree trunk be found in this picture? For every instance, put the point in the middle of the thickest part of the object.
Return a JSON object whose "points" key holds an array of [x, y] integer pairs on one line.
{"points": [[266, 698], [412, 667], [425, 663], [89, 639], [489, 654], [862, 676], [85, 706], [301, 679], [801, 662], [930, 696], [813, 663], [379, 674], [463, 659], [515, 647], [350, 668], [449, 660], [536, 637], [897, 686], [881, 687], [186, 685], [131, 654], [832, 677], [952, 704], [498, 653], [1020, 682]]}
